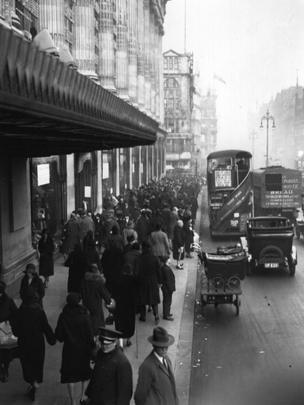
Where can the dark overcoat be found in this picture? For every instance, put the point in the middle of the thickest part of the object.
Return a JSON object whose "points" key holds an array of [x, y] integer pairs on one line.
{"points": [[71, 235], [126, 305], [130, 256], [31, 327], [178, 242], [75, 331], [111, 382], [112, 261], [8, 309], [168, 278], [156, 383], [46, 261], [93, 291], [147, 271], [36, 284], [77, 264]]}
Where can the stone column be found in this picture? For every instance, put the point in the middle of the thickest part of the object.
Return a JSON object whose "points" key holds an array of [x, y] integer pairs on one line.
{"points": [[106, 65], [152, 62], [99, 181], [161, 82], [139, 166], [117, 188], [131, 164], [52, 18], [147, 163], [122, 50], [140, 56], [6, 8], [147, 55], [132, 48], [85, 38]]}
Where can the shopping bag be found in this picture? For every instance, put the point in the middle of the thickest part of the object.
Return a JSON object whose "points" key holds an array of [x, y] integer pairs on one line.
{"points": [[7, 338]]}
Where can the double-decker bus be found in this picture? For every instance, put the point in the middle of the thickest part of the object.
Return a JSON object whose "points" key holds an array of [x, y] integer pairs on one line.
{"points": [[229, 192], [277, 191]]}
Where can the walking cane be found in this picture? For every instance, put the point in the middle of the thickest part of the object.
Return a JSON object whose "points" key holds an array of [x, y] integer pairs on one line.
{"points": [[136, 342]]}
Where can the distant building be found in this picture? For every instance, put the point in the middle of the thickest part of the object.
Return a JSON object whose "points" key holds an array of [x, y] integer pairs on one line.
{"points": [[286, 140], [178, 104], [209, 123]]}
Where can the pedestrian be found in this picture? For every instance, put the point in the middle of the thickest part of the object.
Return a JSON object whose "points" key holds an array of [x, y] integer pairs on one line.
{"points": [[168, 287], [125, 310], [111, 381], [148, 276], [31, 327], [86, 224], [77, 264], [8, 311], [178, 244], [156, 382], [93, 292], [45, 252], [131, 253], [75, 331], [31, 281], [189, 235], [160, 243], [172, 224], [143, 225], [70, 235], [90, 251], [129, 231]]}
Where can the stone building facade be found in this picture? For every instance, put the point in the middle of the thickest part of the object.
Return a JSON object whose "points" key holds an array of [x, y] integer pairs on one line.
{"points": [[178, 104], [117, 44]]}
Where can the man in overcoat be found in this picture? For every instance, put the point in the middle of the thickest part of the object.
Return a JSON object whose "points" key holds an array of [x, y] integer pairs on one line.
{"points": [[156, 382], [111, 381]]}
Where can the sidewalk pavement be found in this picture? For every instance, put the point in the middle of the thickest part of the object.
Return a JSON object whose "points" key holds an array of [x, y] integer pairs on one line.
{"points": [[52, 392]]}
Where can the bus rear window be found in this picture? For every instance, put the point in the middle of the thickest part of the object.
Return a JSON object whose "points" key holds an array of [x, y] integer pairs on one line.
{"points": [[273, 181]]}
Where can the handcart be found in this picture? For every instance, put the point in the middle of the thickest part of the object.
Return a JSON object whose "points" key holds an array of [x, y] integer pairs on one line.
{"points": [[222, 275]]}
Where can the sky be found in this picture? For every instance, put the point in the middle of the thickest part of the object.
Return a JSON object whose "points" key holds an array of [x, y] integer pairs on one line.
{"points": [[255, 46]]}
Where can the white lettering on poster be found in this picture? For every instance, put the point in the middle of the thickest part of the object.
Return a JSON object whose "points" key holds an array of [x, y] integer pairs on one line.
{"points": [[43, 174]]}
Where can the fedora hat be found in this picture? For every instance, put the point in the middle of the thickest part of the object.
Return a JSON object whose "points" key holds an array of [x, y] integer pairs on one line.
{"points": [[161, 337]]}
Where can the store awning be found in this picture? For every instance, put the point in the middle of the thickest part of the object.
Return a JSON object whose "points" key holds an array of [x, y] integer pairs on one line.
{"points": [[47, 108]]}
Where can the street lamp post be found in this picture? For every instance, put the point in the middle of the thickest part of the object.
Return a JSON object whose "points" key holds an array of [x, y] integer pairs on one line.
{"points": [[267, 118]]}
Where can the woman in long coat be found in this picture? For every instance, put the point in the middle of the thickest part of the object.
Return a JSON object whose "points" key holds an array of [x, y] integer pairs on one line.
{"points": [[31, 281], [46, 249], [178, 243], [31, 326], [148, 275], [77, 264], [75, 331], [93, 291], [126, 304]]}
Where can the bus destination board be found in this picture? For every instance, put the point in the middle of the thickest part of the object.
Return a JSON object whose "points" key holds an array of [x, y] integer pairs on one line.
{"points": [[289, 196]]}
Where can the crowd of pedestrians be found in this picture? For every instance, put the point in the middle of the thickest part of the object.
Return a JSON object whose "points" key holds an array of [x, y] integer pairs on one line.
{"points": [[118, 262]]}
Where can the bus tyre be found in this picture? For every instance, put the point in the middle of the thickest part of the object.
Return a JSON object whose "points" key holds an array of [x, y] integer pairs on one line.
{"points": [[250, 268], [292, 269]]}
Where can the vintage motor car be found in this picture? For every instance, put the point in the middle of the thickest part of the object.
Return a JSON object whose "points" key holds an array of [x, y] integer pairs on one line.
{"points": [[270, 244]]}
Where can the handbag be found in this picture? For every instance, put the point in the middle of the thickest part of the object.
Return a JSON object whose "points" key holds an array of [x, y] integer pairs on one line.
{"points": [[7, 338]]}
